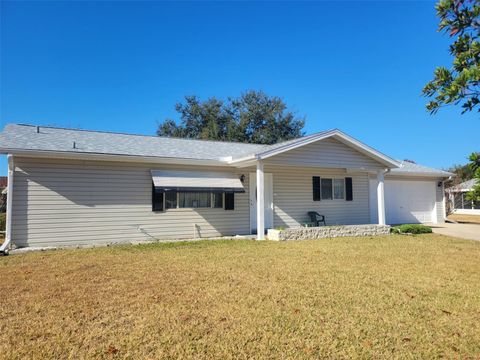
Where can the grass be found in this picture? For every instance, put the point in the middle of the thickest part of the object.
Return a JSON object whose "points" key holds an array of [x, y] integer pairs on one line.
{"points": [[474, 219], [384, 297]]}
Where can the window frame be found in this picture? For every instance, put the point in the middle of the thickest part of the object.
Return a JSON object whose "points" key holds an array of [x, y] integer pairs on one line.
{"points": [[332, 179], [177, 202]]}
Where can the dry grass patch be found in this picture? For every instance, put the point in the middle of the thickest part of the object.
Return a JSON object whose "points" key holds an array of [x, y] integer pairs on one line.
{"points": [[395, 297], [473, 219]]}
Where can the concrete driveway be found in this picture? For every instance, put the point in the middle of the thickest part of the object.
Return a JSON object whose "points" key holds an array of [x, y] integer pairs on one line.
{"points": [[464, 231]]}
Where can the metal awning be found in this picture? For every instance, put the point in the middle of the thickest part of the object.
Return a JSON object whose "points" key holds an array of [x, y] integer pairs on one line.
{"points": [[196, 181]]}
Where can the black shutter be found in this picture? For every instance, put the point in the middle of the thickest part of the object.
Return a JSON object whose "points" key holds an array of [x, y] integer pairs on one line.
{"points": [[348, 189], [229, 201], [316, 188], [157, 199]]}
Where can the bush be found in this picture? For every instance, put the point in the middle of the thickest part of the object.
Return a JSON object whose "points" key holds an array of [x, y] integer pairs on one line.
{"points": [[411, 229]]}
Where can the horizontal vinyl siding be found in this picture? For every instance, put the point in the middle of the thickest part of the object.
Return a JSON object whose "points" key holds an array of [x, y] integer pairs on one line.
{"points": [[60, 202], [328, 153], [293, 198]]}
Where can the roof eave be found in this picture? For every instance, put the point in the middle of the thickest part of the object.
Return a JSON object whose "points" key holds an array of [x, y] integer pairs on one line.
{"points": [[109, 157], [420, 173]]}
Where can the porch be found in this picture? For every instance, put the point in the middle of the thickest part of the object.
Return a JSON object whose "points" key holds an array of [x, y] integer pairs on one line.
{"points": [[281, 196]]}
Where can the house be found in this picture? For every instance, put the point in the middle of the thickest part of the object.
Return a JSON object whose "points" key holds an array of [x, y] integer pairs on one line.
{"points": [[78, 187], [457, 199]]}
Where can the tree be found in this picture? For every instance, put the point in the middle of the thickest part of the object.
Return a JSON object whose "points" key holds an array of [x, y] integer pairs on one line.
{"points": [[460, 84], [462, 172], [254, 117], [474, 195]]}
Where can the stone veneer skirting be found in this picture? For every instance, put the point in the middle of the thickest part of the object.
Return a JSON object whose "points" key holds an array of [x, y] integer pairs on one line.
{"points": [[306, 233]]}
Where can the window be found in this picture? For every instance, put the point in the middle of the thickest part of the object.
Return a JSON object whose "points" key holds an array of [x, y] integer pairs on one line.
{"points": [[171, 200], [339, 189], [194, 200], [217, 200], [326, 189], [162, 200], [332, 189]]}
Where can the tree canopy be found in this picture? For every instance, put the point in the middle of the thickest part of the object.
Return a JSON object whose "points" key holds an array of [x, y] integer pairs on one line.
{"points": [[253, 117], [474, 165], [461, 83]]}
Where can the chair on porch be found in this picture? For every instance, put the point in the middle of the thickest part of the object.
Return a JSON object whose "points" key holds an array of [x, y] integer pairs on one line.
{"points": [[316, 218]]}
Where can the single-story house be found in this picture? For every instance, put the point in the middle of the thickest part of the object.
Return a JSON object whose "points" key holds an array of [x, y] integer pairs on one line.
{"points": [[457, 198], [79, 187]]}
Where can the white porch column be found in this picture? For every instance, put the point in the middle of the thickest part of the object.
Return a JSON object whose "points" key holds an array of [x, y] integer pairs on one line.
{"points": [[381, 197], [260, 201], [8, 233]]}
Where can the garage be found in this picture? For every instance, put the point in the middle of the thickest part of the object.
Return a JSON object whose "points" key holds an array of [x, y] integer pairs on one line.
{"points": [[407, 201], [410, 201]]}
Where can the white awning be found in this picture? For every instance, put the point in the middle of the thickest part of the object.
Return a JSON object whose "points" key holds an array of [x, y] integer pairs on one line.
{"points": [[196, 181]]}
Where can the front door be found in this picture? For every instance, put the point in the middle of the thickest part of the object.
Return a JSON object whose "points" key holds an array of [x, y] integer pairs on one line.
{"points": [[268, 178]]}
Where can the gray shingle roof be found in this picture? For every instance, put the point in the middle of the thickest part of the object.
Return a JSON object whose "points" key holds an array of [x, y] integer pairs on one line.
{"points": [[407, 167], [26, 137], [464, 186]]}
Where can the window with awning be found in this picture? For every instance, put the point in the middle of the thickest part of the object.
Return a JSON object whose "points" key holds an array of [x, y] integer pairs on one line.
{"points": [[194, 189]]}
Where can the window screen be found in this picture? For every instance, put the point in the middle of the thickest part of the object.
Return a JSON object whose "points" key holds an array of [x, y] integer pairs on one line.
{"points": [[338, 188], [194, 200], [217, 200], [326, 185], [171, 200]]}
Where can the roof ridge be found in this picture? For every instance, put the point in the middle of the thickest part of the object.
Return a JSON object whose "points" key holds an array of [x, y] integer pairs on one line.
{"points": [[140, 135]]}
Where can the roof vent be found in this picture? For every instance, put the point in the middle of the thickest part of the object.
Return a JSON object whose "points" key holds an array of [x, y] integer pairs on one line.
{"points": [[74, 145], [38, 129]]}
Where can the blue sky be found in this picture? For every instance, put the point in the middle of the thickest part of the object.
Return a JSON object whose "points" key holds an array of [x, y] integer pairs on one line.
{"points": [[122, 66]]}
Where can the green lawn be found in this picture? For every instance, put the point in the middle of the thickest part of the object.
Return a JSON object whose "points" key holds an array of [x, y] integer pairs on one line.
{"points": [[383, 297]]}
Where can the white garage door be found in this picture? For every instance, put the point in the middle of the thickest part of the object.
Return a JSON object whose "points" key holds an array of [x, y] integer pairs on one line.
{"points": [[409, 201]]}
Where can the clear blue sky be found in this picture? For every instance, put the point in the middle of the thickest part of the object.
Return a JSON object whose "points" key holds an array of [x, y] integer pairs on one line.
{"points": [[121, 66]]}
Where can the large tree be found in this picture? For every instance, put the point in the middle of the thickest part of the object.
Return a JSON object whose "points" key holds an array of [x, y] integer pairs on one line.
{"points": [[461, 83], [253, 117]]}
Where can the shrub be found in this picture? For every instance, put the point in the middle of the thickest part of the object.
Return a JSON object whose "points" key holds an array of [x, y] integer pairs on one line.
{"points": [[3, 221], [411, 229]]}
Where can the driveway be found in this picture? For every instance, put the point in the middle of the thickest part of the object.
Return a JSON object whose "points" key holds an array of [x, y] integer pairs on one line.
{"points": [[464, 231]]}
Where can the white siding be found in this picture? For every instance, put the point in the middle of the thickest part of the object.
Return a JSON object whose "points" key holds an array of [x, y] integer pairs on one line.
{"points": [[440, 202], [66, 202], [328, 153], [293, 197], [439, 207]]}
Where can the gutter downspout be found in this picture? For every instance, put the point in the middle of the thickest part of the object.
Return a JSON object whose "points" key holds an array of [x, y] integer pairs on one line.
{"points": [[8, 235]]}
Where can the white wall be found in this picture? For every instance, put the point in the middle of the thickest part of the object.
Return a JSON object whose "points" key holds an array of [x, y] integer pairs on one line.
{"points": [[66, 202], [293, 197], [328, 153], [438, 209]]}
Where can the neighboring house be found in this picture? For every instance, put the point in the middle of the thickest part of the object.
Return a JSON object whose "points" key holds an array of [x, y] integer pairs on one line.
{"points": [[457, 199], [77, 187]]}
